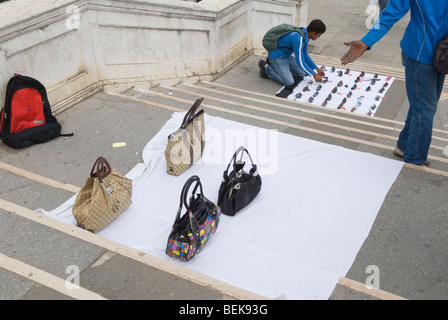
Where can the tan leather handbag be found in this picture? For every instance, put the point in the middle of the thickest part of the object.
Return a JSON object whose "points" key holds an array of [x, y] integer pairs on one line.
{"points": [[186, 144], [105, 195]]}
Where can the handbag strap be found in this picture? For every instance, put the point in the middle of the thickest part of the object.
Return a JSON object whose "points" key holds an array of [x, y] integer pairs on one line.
{"points": [[186, 188], [238, 165], [101, 169], [183, 195], [183, 201], [191, 113]]}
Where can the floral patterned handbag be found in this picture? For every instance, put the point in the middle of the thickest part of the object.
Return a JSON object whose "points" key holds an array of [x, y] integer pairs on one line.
{"points": [[194, 229]]}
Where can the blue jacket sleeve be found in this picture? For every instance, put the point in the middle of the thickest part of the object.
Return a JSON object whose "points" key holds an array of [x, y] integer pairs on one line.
{"points": [[310, 61], [395, 10], [302, 58]]}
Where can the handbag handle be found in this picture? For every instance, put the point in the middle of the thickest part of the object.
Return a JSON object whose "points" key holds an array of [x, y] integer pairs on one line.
{"points": [[101, 169], [183, 201], [189, 116], [186, 188], [183, 194], [239, 163]]}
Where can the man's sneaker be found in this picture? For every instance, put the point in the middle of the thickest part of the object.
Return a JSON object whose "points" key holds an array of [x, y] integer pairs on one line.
{"points": [[262, 64], [286, 91], [399, 153]]}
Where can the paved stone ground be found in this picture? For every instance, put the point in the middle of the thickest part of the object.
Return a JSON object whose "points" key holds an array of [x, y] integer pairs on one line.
{"points": [[407, 241], [347, 20]]}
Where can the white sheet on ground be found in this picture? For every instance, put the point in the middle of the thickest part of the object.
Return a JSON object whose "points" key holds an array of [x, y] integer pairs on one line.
{"points": [[294, 241]]}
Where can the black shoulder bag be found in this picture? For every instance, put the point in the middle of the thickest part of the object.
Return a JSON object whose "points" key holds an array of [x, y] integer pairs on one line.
{"points": [[238, 188], [441, 55]]}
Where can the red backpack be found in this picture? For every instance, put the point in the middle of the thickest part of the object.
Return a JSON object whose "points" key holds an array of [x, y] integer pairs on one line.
{"points": [[26, 118]]}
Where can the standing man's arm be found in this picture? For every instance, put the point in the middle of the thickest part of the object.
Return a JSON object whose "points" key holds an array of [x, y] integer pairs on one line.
{"points": [[396, 10]]}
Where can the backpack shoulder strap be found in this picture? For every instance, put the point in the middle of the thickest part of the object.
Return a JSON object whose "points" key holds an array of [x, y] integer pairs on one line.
{"points": [[299, 30], [6, 111]]}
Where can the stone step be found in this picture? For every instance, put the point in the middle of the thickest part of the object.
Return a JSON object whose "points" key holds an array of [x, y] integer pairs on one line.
{"points": [[104, 265], [398, 73], [358, 132]]}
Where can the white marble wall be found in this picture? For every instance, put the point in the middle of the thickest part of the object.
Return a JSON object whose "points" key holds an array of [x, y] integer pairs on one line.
{"points": [[77, 47]]}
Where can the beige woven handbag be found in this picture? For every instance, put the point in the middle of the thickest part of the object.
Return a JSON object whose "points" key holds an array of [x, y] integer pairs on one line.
{"points": [[185, 145], [105, 195]]}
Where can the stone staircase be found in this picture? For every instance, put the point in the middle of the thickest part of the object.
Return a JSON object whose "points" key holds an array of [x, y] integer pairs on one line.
{"points": [[364, 133], [248, 100]]}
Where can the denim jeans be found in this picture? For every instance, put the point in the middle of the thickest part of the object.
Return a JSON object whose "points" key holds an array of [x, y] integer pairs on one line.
{"points": [[424, 86], [284, 70]]}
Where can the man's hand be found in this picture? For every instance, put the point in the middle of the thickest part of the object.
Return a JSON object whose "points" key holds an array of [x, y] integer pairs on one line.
{"points": [[320, 72], [357, 49], [317, 77]]}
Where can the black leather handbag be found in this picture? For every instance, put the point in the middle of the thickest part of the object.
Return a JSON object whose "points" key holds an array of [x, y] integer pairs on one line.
{"points": [[195, 228], [238, 188], [441, 55]]}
